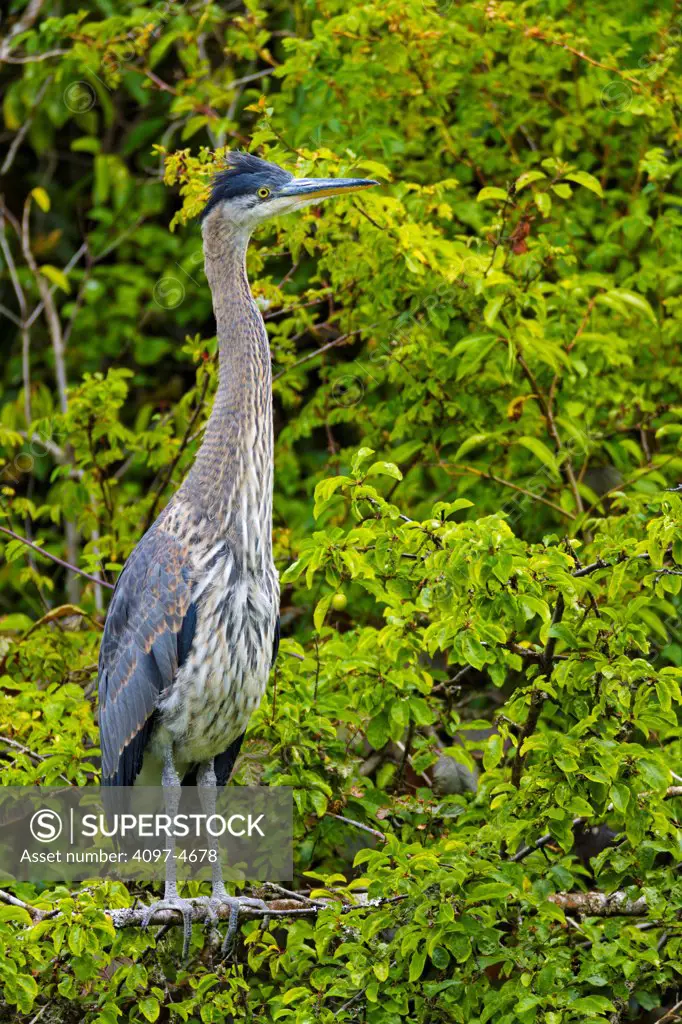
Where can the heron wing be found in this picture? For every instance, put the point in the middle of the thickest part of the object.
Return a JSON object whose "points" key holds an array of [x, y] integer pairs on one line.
{"points": [[147, 636]]}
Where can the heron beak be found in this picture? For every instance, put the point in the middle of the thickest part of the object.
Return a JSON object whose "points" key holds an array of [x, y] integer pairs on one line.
{"points": [[320, 188]]}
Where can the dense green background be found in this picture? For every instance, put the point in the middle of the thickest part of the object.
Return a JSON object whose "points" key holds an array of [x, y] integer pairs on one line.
{"points": [[497, 327]]}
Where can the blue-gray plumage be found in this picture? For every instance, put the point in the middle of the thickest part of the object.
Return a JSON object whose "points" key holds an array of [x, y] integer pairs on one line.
{"points": [[193, 626]]}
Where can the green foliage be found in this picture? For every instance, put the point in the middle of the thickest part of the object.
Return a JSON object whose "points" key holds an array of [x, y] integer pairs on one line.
{"points": [[477, 387]]}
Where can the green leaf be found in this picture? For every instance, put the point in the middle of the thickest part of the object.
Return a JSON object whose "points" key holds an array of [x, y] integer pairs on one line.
{"points": [[293, 994], [527, 178], [491, 193], [378, 731], [321, 611], [149, 1007], [76, 938], [292, 572], [417, 965], [27, 990], [474, 441], [485, 891], [420, 712], [492, 308], [17, 914], [381, 969], [493, 751], [543, 203], [542, 452], [620, 797], [325, 489], [592, 1004], [42, 198], [587, 181], [86, 144], [361, 456], [636, 301], [384, 469], [56, 276]]}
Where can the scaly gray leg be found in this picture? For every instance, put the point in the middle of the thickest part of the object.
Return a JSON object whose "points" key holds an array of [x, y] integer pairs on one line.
{"points": [[170, 780], [207, 785]]}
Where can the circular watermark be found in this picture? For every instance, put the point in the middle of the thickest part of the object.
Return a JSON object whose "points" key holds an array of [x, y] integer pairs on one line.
{"points": [[168, 292], [347, 391], [45, 825], [617, 97], [441, 7], [79, 97]]}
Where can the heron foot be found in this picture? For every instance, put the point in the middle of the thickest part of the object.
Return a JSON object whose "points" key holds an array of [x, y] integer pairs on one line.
{"points": [[184, 907], [222, 899]]}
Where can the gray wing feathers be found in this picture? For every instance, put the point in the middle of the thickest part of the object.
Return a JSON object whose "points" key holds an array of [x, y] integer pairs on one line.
{"points": [[139, 652]]}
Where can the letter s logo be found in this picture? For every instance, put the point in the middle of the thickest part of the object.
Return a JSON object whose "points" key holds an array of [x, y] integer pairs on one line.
{"points": [[46, 826]]}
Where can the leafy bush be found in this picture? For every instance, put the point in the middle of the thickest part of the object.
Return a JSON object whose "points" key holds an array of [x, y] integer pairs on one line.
{"points": [[477, 513]]}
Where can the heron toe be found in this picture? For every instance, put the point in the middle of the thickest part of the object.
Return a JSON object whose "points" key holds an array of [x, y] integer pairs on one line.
{"points": [[184, 907], [219, 900]]}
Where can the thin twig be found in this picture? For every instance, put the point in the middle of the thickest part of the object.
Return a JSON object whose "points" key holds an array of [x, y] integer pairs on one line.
{"points": [[35, 59], [547, 412], [536, 33], [30, 753], [23, 308], [21, 25], [513, 487], [537, 699], [357, 824], [151, 515], [349, 1002], [330, 344], [21, 134], [51, 314], [671, 1015], [54, 558], [405, 758]]}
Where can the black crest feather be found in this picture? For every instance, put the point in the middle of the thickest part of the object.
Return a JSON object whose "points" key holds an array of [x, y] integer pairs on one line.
{"points": [[244, 175]]}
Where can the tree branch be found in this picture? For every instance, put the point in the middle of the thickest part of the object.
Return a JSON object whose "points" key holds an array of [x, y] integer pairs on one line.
{"points": [[537, 698], [292, 905], [599, 904], [553, 431]]}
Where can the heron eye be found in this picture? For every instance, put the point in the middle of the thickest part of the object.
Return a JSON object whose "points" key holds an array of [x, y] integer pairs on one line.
{"points": [[263, 192]]}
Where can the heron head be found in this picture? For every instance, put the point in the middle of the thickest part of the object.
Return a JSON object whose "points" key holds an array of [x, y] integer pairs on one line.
{"points": [[252, 190]]}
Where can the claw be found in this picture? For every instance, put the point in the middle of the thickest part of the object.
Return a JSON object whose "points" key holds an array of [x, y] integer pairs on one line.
{"points": [[235, 902], [184, 907], [231, 933]]}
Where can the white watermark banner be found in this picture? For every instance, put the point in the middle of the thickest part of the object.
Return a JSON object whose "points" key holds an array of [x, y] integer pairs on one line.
{"points": [[75, 833]]}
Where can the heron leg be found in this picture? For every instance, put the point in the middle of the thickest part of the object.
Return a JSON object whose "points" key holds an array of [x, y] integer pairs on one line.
{"points": [[207, 785], [170, 781]]}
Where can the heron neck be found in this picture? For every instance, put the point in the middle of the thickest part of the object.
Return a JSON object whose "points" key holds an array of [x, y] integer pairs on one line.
{"points": [[231, 479]]}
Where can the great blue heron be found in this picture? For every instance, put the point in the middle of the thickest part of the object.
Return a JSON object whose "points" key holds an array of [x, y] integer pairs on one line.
{"points": [[193, 626]]}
